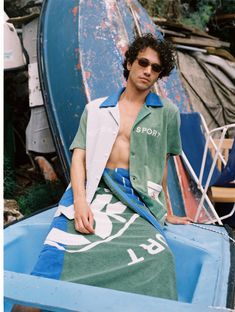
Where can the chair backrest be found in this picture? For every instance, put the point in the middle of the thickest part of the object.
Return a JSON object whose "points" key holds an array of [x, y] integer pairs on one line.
{"points": [[193, 144]]}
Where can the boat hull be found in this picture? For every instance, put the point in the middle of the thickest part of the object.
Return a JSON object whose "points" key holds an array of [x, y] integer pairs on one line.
{"points": [[202, 259]]}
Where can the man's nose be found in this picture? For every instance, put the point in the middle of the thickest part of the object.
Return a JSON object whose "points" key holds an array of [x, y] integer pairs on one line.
{"points": [[147, 70]]}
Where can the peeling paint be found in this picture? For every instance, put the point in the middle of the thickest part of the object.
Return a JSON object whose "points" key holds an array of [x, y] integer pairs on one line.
{"points": [[134, 6], [89, 3], [87, 74], [178, 97], [75, 11], [104, 25], [115, 17]]}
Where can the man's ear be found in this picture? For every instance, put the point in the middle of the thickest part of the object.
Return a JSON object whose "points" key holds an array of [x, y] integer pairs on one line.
{"points": [[128, 66]]}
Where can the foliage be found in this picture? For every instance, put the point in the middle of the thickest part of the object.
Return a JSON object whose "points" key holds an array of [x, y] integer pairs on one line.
{"points": [[40, 196], [33, 198], [195, 13], [153, 7], [200, 17], [9, 178], [226, 6]]}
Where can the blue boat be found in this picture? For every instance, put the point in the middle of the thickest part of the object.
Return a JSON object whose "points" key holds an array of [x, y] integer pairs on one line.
{"points": [[81, 46], [203, 262]]}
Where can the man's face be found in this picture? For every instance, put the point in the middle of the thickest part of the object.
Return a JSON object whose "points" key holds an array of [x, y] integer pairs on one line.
{"points": [[142, 73]]}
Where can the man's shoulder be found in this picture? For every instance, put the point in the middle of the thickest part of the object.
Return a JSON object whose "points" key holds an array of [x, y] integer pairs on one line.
{"points": [[95, 104], [168, 105]]}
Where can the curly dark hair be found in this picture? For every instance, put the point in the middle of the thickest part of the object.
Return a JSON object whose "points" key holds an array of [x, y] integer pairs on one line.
{"points": [[163, 47]]}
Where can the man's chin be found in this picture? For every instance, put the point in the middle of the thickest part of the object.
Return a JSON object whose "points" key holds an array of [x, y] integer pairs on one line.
{"points": [[143, 88]]}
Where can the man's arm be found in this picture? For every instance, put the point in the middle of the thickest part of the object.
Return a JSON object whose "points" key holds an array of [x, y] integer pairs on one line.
{"points": [[83, 216], [171, 218]]}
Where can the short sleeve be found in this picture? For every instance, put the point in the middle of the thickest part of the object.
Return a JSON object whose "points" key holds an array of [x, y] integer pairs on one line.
{"points": [[174, 146], [79, 140]]}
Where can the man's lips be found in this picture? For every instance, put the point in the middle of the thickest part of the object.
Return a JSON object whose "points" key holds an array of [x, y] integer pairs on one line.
{"points": [[144, 79]]}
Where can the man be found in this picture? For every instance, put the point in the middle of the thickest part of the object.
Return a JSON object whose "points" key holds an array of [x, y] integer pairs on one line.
{"points": [[146, 60], [128, 137], [118, 171]]}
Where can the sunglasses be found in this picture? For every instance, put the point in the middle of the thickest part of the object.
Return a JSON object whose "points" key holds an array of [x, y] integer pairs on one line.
{"points": [[143, 62]]}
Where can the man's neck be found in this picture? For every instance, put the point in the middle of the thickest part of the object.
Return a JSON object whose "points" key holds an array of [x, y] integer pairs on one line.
{"points": [[134, 96]]}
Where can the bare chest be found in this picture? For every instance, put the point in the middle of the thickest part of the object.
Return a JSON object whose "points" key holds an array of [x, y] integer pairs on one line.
{"points": [[127, 120]]}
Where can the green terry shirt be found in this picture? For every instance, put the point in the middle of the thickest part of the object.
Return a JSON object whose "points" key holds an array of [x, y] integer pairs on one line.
{"points": [[155, 134]]}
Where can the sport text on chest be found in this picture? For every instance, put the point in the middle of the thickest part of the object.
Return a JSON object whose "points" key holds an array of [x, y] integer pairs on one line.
{"points": [[148, 131]]}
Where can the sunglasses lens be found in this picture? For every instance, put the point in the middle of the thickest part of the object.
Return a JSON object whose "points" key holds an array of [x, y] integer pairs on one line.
{"points": [[157, 68], [143, 62]]}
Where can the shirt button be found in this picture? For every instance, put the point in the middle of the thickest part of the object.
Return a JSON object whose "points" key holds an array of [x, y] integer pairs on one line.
{"points": [[132, 154], [134, 178]]}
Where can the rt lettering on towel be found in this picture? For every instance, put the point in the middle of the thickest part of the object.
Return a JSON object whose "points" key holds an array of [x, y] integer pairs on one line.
{"points": [[154, 247]]}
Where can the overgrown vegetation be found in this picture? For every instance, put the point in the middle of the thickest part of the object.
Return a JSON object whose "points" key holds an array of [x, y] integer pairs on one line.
{"points": [[39, 196], [201, 16], [195, 13], [23, 182], [9, 179]]}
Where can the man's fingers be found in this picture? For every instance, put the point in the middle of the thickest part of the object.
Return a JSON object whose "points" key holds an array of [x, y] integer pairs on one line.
{"points": [[87, 224], [80, 226], [91, 220], [185, 222], [179, 220], [189, 219]]}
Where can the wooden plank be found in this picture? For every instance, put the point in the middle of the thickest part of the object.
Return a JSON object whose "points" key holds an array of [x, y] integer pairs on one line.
{"points": [[22, 19], [189, 48], [226, 146], [227, 143], [171, 32], [224, 17], [200, 41], [172, 24], [222, 194], [182, 27], [221, 52]]}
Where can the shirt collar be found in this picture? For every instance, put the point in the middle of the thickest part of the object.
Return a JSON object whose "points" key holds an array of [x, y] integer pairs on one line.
{"points": [[152, 100]]}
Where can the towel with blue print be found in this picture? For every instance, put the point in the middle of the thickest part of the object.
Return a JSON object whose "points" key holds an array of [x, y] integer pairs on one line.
{"points": [[127, 252]]}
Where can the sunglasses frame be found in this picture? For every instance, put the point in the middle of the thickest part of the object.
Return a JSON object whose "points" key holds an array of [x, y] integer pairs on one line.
{"points": [[143, 62]]}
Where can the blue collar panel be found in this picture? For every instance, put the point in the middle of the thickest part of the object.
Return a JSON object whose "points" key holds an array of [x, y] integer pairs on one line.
{"points": [[152, 100]]}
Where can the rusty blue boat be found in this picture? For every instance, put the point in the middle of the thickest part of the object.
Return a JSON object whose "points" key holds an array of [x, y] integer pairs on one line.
{"points": [[80, 48]]}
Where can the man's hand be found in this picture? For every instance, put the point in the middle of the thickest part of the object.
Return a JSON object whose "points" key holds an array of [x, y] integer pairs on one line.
{"points": [[178, 220], [83, 218]]}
